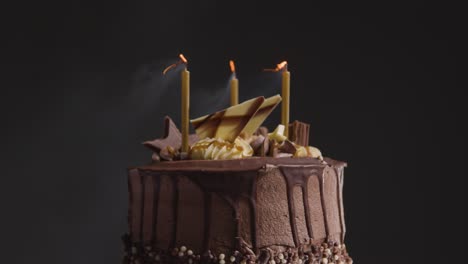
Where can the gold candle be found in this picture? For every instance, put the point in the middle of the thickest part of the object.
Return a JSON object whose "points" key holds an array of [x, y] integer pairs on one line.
{"points": [[285, 94], [185, 104], [234, 84]]}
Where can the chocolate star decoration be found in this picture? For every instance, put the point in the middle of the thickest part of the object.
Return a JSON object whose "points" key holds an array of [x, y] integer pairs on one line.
{"points": [[167, 148]]}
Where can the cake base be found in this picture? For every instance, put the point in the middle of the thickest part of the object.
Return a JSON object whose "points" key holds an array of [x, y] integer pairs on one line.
{"points": [[326, 253], [256, 210]]}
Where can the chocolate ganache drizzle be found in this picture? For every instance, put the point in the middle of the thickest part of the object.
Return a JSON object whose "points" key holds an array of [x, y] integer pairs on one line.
{"points": [[218, 205]]}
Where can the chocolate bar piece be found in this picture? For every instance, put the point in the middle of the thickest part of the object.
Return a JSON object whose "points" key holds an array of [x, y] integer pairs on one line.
{"points": [[299, 133]]}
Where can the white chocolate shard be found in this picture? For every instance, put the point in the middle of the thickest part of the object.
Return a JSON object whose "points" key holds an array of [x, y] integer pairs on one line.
{"points": [[236, 118], [278, 134], [263, 112], [227, 124]]}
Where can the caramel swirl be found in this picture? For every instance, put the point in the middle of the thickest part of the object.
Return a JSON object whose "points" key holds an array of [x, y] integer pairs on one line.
{"points": [[219, 149], [308, 151]]}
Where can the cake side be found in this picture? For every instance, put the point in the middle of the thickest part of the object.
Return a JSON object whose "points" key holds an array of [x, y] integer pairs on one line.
{"points": [[261, 208]]}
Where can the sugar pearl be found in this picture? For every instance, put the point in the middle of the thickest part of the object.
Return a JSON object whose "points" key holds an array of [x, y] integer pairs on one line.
{"points": [[181, 254], [281, 256], [222, 261], [272, 261], [283, 261], [299, 261], [232, 259], [243, 262], [336, 257], [189, 252], [324, 261], [183, 248], [221, 256], [327, 251]]}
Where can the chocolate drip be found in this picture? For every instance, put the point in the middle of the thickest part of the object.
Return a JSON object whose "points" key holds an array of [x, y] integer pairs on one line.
{"points": [[135, 201], [237, 220], [175, 182], [148, 187], [249, 201], [298, 176], [234, 206], [340, 178], [338, 167], [165, 212], [142, 211], [156, 192], [292, 215], [321, 177], [231, 186], [305, 198], [253, 212], [131, 205], [207, 224]]}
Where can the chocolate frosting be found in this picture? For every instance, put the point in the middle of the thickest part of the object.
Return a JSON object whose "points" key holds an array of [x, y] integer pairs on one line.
{"points": [[251, 163], [211, 204]]}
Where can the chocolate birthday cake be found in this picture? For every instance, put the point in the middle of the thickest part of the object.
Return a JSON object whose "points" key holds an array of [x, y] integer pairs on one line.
{"points": [[240, 194]]}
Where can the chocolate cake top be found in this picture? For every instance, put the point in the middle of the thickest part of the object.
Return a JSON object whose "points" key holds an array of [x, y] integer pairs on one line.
{"points": [[258, 146], [246, 164]]}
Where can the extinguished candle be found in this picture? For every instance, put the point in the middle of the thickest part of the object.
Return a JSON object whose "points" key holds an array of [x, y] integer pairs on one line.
{"points": [[285, 94], [234, 85], [185, 104]]}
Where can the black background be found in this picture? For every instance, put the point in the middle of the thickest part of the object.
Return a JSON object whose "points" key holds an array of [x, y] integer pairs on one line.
{"points": [[378, 82]]}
